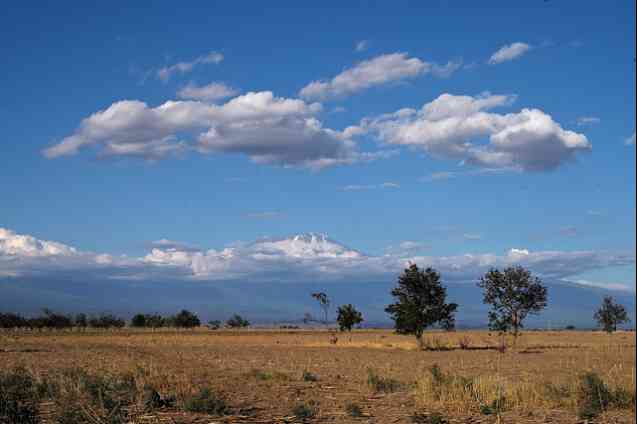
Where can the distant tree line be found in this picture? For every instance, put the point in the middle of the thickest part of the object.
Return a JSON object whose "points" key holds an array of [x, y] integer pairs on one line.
{"points": [[52, 320]]}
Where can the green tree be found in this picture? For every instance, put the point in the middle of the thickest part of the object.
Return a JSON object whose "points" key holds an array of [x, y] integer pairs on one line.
{"points": [[237, 321], [610, 315], [81, 321], [186, 319], [512, 294], [348, 317], [420, 302], [139, 321]]}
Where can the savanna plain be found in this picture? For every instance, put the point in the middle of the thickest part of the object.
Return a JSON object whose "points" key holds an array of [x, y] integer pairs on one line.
{"points": [[297, 375]]}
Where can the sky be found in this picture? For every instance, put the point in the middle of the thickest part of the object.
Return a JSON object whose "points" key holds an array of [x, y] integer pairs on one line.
{"points": [[199, 140]]}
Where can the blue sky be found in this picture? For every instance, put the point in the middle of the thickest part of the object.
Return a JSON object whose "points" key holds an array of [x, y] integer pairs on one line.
{"points": [[562, 180]]}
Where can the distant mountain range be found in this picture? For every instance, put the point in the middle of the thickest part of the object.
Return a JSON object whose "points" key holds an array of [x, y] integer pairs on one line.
{"points": [[271, 279], [268, 302]]}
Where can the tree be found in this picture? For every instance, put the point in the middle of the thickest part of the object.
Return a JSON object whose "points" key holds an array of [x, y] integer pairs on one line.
{"points": [[348, 317], [324, 303], [512, 294], [214, 324], [237, 321], [81, 321], [139, 321], [420, 302], [186, 319], [610, 315]]}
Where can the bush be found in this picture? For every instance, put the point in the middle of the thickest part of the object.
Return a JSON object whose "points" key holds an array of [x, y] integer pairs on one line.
{"points": [[106, 321], [206, 401], [595, 397], [308, 376], [353, 410], [306, 410], [18, 398], [382, 384]]}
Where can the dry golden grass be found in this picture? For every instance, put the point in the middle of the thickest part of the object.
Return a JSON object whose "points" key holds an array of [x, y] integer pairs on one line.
{"points": [[261, 371]]}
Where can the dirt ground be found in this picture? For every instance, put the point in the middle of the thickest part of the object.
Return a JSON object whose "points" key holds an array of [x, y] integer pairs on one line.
{"points": [[260, 372]]}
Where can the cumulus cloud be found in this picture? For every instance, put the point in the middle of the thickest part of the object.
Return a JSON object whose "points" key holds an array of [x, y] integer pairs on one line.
{"points": [[509, 52], [268, 129], [458, 128], [377, 71], [210, 92], [303, 257], [630, 141], [167, 72]]}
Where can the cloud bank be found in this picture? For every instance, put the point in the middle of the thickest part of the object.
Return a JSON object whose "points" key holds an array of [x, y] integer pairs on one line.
{"points": [[299, 258]]}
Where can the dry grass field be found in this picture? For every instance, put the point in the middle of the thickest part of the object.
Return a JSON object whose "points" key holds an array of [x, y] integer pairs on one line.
{"points": [[275, 376]]}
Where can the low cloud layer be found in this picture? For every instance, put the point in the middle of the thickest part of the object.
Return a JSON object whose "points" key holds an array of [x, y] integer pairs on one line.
{"points": [[463, 128], [509, 52], [304, 257]]}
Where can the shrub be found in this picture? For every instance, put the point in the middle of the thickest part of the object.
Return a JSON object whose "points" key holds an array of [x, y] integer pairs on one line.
{"points": [[308, 376], [268, 375], [353, 410], [306, 410], [595, 397], [206, 401], [434, 418], [18, 398], [464, 343], [382, 384]]}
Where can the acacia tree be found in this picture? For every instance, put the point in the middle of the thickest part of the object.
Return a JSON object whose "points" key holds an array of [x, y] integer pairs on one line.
{"points": [[610, 315], [512, 294], [420, 302], [324, 303], [348, 317]]}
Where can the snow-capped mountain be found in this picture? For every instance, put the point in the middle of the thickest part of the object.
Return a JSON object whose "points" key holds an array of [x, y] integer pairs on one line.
{"points": [[306, 245]]}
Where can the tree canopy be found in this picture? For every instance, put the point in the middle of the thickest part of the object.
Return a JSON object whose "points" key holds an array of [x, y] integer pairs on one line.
{"points": [[512, 294], [610, 315], [420, 302]]}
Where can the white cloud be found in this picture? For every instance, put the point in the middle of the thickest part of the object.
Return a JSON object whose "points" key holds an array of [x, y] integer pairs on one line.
{"points": [[377, 71], [166, 72], [509, 52], [296, 258], [361, 46], [359, 187], [268, 129], [586, 121], [630, 141], [457, 128], [210, 92], [445, 71], [265, 215]]}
